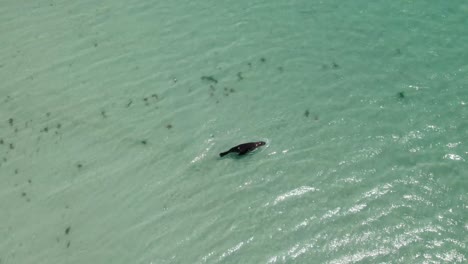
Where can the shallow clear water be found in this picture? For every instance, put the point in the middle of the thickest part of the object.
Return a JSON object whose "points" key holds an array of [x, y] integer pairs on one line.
{"points": [[110, 136]]}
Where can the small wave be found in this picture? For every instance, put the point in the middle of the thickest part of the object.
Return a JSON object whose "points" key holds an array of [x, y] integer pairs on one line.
{"points": [[296, 192], [453, 157], [235, 248]]}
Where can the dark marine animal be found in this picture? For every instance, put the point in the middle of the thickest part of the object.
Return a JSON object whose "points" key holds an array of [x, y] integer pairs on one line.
{"points": [[243, 149], [209, 79]]}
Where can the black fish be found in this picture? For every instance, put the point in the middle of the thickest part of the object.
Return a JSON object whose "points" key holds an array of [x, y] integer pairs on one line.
{"points": [[243, 149], [209, 79]]}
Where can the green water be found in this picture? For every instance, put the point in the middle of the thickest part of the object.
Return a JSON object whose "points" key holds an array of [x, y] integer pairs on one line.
{"points": [[110, 137]]}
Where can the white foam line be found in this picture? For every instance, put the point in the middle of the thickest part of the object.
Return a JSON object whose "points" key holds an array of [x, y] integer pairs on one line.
{"points": [[296, 192], [235, 248]]}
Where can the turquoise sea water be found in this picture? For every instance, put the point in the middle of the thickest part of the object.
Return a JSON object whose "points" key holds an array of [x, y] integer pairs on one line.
{"points": [[109, 136]]}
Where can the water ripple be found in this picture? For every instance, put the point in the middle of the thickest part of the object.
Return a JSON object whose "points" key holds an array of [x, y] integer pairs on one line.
{"points": [[296, 192]]}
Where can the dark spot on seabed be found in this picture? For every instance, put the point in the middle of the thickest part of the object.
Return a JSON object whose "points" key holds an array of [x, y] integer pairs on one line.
{"points": [[226, 91], [67, 230], [45, 129], [169, 126], [209, 79], [59, 125], [1, 141], [262, 59], [335, 65], [129, 103], [401, 95], [103, 113], [239, 76], [250, 64], [12, 146], [306, 113], [146, 99], [398, 52], [10, 121], [96, 44], [48, 114], [29, 181], [16, 171], [79, 165], [232, 90], [144, 142]]}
